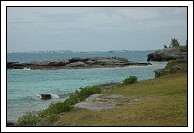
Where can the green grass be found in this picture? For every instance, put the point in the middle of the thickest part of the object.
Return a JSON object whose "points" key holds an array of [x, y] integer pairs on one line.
{"points": [[164, 104]]}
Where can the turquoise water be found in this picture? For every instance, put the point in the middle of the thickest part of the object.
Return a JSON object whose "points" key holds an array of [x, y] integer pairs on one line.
{"points": [[138, 56], [24, 87]]}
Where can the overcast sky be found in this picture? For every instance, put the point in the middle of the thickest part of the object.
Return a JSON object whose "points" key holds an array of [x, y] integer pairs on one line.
{"points": [[94, 28]]}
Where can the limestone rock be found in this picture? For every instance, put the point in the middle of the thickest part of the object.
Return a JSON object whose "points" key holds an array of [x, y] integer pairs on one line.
{"points": [[76, 64], [167, 54], [97, 102]]}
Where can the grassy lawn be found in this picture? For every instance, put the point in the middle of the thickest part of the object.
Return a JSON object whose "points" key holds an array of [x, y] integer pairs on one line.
{"points": [[157, 102]]}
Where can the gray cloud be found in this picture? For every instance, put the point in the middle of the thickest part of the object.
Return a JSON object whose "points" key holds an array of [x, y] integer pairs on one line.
{"points": [[66, 23]]}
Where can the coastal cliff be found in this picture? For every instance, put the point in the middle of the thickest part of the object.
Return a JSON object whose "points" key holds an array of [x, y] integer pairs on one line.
{"points": [[176, 57], [76, 63], [168, 54]]}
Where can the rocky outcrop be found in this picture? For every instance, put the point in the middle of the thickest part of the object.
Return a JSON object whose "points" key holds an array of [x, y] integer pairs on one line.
{"points": [[97, 102], [173, 66], [176, 57], [168, 54], [58, 63], [11, 64], [45, 96], [76, 63]]}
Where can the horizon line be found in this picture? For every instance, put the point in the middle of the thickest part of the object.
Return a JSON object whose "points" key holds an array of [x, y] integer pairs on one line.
{"points": [[73, 51]]}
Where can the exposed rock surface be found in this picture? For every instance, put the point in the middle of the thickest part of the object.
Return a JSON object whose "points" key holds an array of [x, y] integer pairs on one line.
{"points": [[168, 54], [99, 102], [75, 63]]}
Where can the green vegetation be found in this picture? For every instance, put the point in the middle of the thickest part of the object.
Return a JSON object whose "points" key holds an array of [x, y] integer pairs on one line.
{"points": [[164, 103], [174, 66], [174, 43], [129, 80], [47, 116], [165, 47], [182, 48], [29, 119]]}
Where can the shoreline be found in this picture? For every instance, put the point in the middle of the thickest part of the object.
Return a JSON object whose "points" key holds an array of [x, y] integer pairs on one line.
{"points": [[79, 68], [12, 122], [106, 85]]}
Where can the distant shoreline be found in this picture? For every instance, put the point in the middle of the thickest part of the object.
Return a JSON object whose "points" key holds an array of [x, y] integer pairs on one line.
{"points": [[70, 51]]}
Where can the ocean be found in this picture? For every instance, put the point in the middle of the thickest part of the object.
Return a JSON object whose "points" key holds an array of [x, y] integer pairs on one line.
{"points": [[24, 87]]}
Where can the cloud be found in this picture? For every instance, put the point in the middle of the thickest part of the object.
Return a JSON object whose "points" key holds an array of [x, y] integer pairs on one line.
{"points": [[89, 17], [106, 25]]}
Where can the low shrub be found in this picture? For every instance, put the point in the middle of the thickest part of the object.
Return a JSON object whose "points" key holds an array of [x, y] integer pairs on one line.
{"points": [[129, 80], [29, 119], [47, 116]]}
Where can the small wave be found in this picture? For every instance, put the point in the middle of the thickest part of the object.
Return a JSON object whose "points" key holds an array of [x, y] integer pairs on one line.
{"points": [[54, 96], [38, 96], [25, 68]]}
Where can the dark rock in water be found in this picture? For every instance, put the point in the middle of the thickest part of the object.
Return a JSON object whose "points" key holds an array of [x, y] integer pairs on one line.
{"points": [[45, 96], [15, 65], [78, 59], [138, 64], [18, 67], [11, 64]]}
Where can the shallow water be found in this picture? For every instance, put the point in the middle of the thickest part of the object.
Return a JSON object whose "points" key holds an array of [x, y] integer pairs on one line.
{"points": [[24, 87]]}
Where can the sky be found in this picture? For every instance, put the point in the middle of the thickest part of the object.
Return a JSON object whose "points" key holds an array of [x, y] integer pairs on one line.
{"points": [[94, 28]]}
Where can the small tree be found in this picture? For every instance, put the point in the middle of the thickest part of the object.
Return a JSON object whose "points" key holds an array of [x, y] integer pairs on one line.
{"points": [[165, 46], [174, 43]]}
